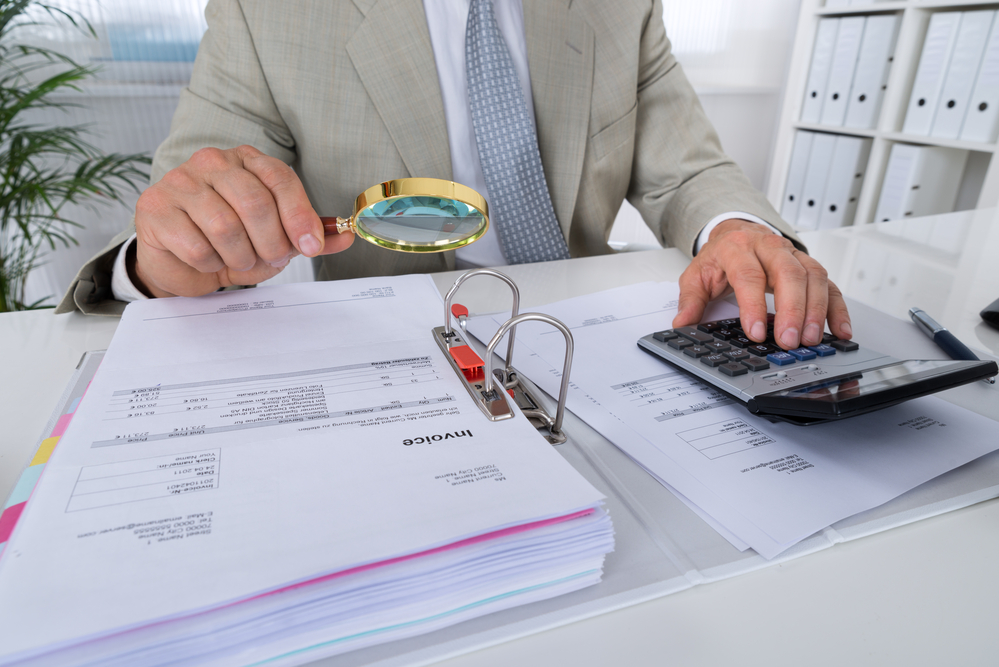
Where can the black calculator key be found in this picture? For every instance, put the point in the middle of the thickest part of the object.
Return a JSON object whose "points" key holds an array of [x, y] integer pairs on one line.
{"points": [[740, 341], [663, 336], [718, 346], [714, 360], [723, 334], [733, 369], [827, 338], [696, 351], [755, 364], [845, 345], [690, 333], [709, 327], [761, 349], [737, 355], [729, 323], [679, 343]]}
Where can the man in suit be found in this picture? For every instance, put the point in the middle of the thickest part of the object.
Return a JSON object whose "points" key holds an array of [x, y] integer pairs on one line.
{"points": [[296, 107]]}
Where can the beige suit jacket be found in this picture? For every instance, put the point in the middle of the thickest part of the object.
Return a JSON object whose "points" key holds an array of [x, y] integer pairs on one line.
{"points": [[347, 93]]}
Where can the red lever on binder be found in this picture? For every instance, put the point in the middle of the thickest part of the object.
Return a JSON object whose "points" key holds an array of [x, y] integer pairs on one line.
{"points": [[469, 362]]}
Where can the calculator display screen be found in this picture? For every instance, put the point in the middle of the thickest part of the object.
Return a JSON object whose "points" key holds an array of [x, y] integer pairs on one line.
{"points": [[859, 392], [870, 381]]}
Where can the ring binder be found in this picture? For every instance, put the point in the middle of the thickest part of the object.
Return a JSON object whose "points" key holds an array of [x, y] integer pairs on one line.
{"points": [[479, 377]]}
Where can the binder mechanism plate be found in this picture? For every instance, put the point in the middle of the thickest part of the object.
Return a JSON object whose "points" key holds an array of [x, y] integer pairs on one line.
{"points": [[497, 396], [469, 367], [471, 370]]}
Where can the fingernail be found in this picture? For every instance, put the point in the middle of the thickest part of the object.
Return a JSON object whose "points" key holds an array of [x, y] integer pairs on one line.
{"points": [[846, 330], [812, 334], [759, 331], [281, 263], [309, 244], [789, 338]]}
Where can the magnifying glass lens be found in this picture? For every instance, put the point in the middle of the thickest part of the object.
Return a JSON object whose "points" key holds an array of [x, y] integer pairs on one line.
{"points": [[420, 223]]}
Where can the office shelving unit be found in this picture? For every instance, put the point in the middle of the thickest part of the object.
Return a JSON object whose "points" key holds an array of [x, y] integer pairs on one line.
{"points": [[980, 184]]}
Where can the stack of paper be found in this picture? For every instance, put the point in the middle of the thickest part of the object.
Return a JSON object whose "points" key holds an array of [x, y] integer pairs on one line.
{"points": [[283, 474], [761, 485]]}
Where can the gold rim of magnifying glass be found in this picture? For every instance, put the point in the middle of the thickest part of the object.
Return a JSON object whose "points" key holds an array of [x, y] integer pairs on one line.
{"points": [[416, 187]]}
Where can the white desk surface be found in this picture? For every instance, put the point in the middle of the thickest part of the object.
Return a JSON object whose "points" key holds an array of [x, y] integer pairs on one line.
{"points": [[923, 594]]}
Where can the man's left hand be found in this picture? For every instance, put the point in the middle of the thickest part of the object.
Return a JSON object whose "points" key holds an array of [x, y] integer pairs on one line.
{"points": [[750, 260]]}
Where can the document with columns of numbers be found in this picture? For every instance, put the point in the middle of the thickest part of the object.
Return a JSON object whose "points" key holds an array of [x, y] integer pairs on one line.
{"points": [[771, 485], [286, 473]]}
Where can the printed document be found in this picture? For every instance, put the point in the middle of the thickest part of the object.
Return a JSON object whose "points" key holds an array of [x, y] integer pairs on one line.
{"points": [[242, 442], [771, 485]]}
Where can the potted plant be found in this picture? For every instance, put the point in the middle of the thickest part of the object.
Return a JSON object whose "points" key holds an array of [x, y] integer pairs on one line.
{"points": [[44, 167]]}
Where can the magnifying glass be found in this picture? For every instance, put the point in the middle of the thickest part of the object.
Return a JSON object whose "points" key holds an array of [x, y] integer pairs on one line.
{"points": [[416, 215]]}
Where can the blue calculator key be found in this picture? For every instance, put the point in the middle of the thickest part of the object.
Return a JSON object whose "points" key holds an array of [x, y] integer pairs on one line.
{"points": [[780, 358], [822, 350], [802, 354]]}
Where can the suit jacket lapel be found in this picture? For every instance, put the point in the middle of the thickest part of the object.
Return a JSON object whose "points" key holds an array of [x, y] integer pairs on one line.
{"points": [[560, 50], [392, 54]]}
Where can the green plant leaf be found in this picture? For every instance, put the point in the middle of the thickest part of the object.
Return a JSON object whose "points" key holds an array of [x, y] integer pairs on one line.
{"points": [[45, 168]]}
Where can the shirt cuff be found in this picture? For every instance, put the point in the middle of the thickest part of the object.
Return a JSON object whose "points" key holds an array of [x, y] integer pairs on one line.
{"points": [[702, 238], [121, 285]]}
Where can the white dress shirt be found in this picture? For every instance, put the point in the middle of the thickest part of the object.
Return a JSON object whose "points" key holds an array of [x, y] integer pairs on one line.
{"points": [[446, 20]]}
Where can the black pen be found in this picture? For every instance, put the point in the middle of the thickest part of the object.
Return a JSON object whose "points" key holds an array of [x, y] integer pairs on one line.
{"points": [[947, 341]]}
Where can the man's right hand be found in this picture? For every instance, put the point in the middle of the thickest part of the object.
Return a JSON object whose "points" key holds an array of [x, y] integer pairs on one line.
{"points": [[223, 218]]}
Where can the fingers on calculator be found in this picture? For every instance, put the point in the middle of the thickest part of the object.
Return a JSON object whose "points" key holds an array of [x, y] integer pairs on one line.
{"points": [[724, 345]]}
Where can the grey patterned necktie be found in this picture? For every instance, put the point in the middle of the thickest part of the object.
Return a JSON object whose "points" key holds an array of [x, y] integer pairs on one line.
{"points": [[520, 205]]}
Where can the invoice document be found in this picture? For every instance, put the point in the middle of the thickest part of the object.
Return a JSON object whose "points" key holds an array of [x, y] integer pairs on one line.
{"points": [[249, 441], [771, 485]]}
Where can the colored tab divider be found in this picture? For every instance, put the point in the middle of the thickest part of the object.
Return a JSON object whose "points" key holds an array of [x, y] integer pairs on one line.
{"points": [[44, 451], [8, 519], [26, 483]]}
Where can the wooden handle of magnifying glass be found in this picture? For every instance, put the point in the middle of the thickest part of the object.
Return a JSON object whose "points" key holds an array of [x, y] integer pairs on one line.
{"points": [[334, 226]]}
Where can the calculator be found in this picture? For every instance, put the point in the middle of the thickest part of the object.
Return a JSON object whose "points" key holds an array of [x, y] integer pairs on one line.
{"points": [[818, 383]]}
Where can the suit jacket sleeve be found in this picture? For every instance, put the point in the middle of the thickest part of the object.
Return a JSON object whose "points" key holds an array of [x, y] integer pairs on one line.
{"points": [[227, 104], [681, 177]]}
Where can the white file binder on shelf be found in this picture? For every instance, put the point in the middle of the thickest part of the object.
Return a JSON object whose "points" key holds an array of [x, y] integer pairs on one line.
{"points": [[844, 64], [962, 72], [819, 159], [873, 65], [796, 176], [846, 175], [933, 64], [920, 180], [818, 73], [981, 122]]}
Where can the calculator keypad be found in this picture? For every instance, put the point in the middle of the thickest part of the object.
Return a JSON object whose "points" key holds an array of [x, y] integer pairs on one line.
{"points": [[723, 345]]}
